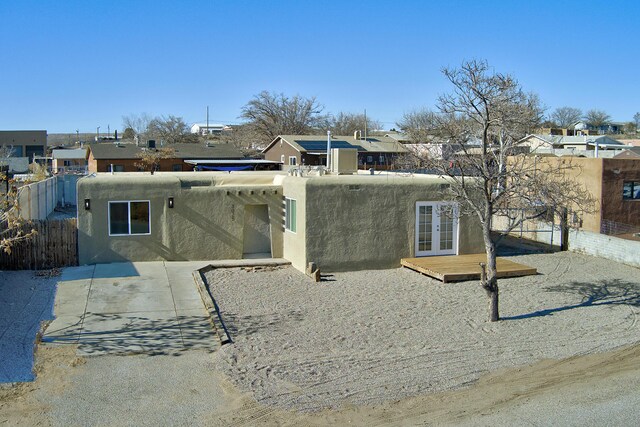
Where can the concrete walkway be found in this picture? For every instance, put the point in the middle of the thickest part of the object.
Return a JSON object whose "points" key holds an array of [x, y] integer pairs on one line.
{"points": [[125, 308]]}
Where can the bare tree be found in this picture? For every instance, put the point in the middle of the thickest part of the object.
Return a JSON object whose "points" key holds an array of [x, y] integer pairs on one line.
{"points": [[565, 117], [245, 137], [490, 178], [138, 123], [636, 119], [630, 128], [418, 125], [273, 114], [150, 158], [349, 123], [171, 129], [597, 118], [11, 231]]}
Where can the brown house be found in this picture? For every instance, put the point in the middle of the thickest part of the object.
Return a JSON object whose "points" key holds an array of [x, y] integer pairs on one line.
{"points": [[631, 153], [122, 157], [377, 152], [25, 143]]}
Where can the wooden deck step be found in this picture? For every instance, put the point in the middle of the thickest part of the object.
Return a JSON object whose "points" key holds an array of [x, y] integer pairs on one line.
{"points": [[463, 267]]}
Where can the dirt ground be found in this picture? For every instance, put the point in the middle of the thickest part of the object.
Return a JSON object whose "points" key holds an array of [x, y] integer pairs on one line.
{"points": [[572, 386], [567, 353], [369, 337]]}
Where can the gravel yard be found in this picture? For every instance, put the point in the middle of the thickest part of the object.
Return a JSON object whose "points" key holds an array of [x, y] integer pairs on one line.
{"points": [[373, 336]]}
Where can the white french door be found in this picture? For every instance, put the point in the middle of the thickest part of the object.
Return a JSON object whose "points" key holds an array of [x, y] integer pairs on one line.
{"points": [[436, 228]]}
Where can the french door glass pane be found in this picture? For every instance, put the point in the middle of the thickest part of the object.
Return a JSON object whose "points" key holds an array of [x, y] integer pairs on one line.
{"points": [[446, 228], [425, 222]]}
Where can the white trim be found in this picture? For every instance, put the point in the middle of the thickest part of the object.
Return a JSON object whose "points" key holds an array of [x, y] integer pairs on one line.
{"points": [[295, 160], [287, 218], [435, 231], [128, 202]]}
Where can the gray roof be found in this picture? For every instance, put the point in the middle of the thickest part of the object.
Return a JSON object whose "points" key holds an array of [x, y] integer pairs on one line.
{"points": [[559, 140], [103, 151], [75, 153]]}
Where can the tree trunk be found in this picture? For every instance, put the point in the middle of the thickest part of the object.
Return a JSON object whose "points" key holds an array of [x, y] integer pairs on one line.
{"points": [[491, 288], [489, 274]]}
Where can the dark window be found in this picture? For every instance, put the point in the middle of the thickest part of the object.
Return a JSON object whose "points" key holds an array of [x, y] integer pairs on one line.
{"points": [[631, 190], [129, 218], [31, 150], [177, 167], [117, 168]]}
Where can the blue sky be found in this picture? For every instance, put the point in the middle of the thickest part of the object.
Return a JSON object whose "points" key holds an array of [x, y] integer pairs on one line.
{"points": [[70, 64]]}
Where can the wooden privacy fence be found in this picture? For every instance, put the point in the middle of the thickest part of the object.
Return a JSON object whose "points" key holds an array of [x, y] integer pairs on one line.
{"points": [[54, 245]]}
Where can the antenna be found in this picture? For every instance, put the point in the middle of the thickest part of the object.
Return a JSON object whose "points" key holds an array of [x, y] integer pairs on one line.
{"points": [[207, 119]]}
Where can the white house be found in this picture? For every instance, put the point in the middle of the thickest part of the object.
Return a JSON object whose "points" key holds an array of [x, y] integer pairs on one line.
{"points": [[210, 129]]}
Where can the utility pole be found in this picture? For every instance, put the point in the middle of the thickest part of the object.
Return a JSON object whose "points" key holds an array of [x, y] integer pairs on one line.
{"points": [[365, 124], [328, 150], [98, 133]]}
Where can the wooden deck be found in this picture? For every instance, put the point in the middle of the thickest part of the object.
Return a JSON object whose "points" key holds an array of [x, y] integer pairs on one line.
{"points": [[463, 267]]}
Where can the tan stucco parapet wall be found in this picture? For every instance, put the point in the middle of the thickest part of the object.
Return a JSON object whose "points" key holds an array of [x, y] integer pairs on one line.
{"points": [[355, 222], [206, 222], [346, 222]]}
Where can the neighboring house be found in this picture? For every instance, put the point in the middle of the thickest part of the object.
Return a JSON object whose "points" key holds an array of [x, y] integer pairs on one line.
{"points": [[586, 145], [69, 161], [105, 157], [615, 186], [25, 145], [630, 153], [339, 222], [378, 152], [210, 129]]}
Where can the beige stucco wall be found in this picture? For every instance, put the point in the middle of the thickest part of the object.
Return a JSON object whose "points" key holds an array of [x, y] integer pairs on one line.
{"points": [[294, 248], [587, 173], [205, 224], [363, 222]]}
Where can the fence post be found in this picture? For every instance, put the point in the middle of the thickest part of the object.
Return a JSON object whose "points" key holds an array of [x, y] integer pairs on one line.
{"points": [[564, 229]]}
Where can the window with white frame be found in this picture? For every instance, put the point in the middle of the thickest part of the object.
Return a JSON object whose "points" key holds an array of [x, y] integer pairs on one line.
{"points": [[282, 158], [290, 214], [129, 218], [292, 160], [631, 190]]}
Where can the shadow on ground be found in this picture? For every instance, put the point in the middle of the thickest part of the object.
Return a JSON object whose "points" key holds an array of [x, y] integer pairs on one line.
{"points": [[121, 334], [514, 246], [249, 325], [604, 293]]}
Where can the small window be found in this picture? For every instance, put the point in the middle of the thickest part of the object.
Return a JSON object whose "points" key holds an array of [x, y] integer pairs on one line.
{"points": [[381, 158], [176, 168], [631, 190], [369, 159], [292, 160], [282, 159], [117, 168], [127, 218], [290, 214]]}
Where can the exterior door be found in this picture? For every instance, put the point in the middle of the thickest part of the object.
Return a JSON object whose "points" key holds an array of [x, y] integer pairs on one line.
{"points": [[436, 228], [257, 232]]}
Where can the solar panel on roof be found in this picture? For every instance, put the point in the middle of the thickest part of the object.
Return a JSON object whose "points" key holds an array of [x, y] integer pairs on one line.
{"points": [[322, 145]]}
